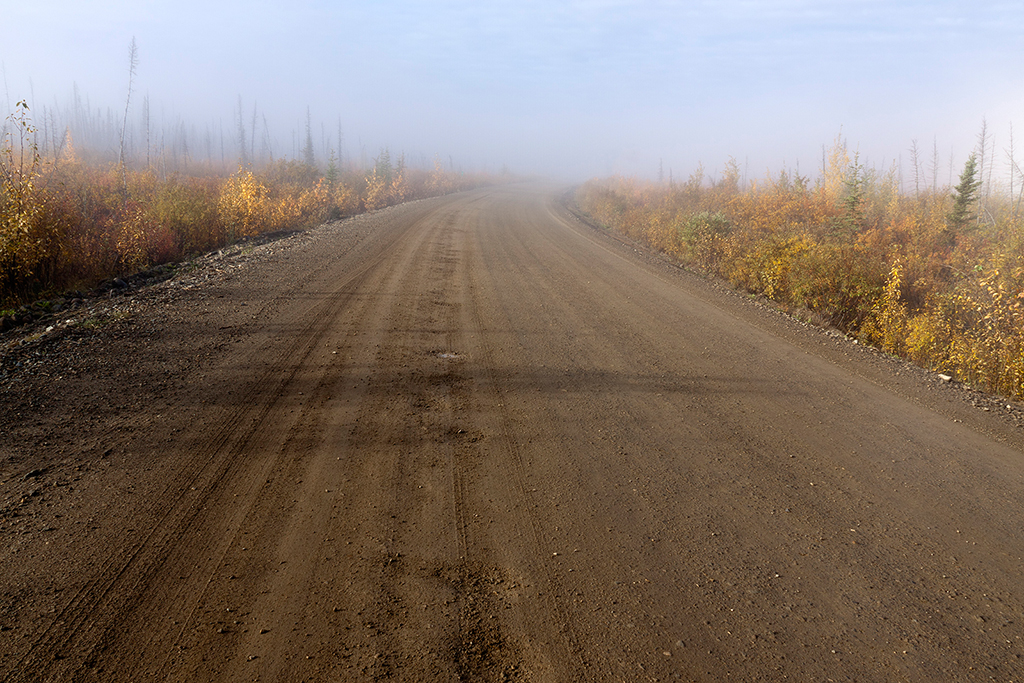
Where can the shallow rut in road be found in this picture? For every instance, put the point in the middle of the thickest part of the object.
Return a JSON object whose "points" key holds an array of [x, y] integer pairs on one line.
{"points": [[471, 438]]}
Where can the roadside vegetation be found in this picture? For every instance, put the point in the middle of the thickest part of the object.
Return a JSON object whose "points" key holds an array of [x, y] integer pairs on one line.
{"points": [[73, 215], [934, 274]]}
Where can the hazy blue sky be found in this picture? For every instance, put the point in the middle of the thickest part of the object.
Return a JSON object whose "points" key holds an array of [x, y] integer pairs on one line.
{"points": [[574, 87]]}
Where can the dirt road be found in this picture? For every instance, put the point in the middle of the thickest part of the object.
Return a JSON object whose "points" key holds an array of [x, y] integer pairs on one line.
{"points": [[472, 438]]}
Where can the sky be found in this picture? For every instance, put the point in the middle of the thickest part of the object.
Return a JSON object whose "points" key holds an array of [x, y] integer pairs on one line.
{"points": [[566, 88]]}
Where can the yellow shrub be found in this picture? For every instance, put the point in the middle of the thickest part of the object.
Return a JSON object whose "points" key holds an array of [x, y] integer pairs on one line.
{"points": [[927, 340], [377, 195], [400, 190], [244, 205], [314, 204], [131, 240], [345, 201], [887, 325]]}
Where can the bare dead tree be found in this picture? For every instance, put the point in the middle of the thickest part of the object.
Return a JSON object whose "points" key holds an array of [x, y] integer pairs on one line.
{"points": [[1020, 193], [208, 144], [983, 138], [267, 150], [949, 183], [252, 134], [243, 148], [1015, 172], [133, 62], [308, 154], [991, 167], [341, 145], [7, 91], [1012, 170], [183, 142], [45, 149], [915, 159]]}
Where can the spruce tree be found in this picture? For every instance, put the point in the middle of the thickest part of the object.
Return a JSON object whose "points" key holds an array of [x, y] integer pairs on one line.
{"points": [[965, 195]]}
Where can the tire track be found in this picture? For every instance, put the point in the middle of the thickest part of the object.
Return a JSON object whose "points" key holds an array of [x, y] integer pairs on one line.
{"points": [[301, 458], [380, 476], [567, 658], [103, 600]]}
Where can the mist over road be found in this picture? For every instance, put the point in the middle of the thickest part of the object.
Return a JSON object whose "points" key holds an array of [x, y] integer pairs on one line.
{"points": [[471, 438]]}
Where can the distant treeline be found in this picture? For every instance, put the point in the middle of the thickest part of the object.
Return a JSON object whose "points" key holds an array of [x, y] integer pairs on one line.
{"points": [[82, 198], [144, 138], [935, 275]]}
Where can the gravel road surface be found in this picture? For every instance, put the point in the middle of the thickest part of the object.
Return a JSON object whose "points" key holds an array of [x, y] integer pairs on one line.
{"points": [[474, 438]]}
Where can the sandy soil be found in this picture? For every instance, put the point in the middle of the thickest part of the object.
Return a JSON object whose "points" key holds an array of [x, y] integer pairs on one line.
{"points": [[473, 438]]}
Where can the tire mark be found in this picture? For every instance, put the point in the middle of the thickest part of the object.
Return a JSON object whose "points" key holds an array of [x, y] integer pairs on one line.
{"points": [[204, 474], [571, 660], [304, 436]]}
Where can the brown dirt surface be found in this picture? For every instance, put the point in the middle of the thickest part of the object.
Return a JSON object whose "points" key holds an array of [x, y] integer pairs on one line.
{"points": [[473, 438]]}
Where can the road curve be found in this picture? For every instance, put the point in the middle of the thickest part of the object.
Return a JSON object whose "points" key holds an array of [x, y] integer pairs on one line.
{"points": [[483, 441]]}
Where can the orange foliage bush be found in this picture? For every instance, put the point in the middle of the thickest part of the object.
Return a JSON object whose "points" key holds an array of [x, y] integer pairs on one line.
{"points": [[65, 223]]}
